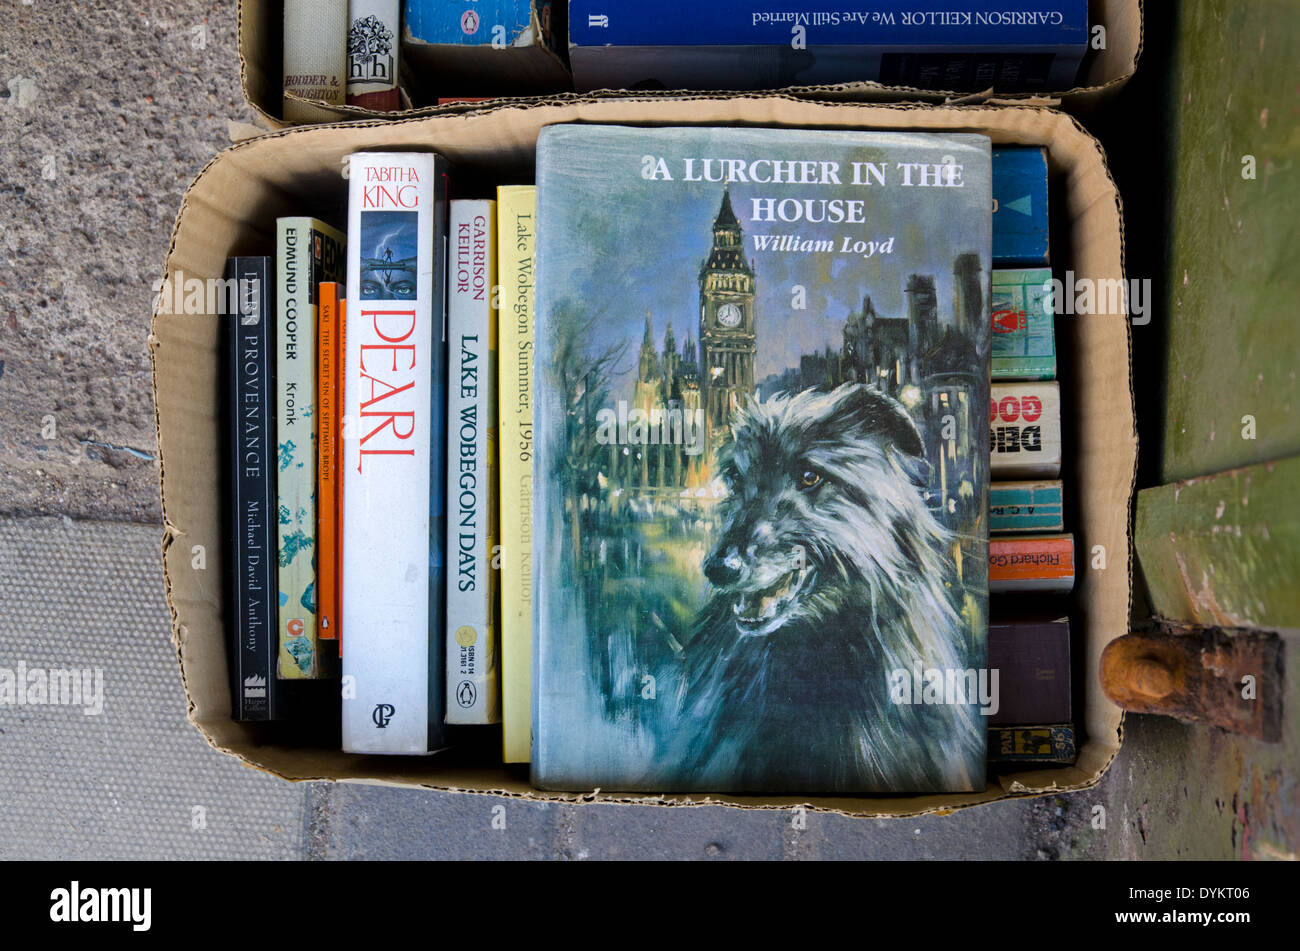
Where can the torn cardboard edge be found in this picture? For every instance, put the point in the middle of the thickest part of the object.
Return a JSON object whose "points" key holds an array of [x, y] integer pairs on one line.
{"points": [[1105, 72], [228, 208]]}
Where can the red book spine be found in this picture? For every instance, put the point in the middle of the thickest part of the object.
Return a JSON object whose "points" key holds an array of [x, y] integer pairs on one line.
{"points": [[327, 501], [341, 371]]}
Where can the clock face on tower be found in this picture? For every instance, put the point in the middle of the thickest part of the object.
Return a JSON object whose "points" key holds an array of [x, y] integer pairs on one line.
{"points": [[729, 315]]}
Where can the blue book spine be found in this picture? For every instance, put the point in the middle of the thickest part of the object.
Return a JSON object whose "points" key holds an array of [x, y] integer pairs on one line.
{"points": [[1025, 507], [1020, 235], [497, 23], [1045, 24]]}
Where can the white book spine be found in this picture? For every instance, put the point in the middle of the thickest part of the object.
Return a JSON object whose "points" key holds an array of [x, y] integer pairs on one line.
{"points": [[473, 696], [1025, 430], [392, 344], [315, 57]]}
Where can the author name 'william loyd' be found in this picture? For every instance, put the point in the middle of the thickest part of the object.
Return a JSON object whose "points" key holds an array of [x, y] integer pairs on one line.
{"points": [[849, 211]]}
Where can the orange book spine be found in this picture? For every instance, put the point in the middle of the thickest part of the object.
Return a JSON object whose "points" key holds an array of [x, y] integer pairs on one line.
{"points": [[340, 367], [1031, 563], [327, 478]]}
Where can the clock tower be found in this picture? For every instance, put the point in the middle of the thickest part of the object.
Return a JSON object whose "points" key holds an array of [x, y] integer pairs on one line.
{"points": [[727, 339]]}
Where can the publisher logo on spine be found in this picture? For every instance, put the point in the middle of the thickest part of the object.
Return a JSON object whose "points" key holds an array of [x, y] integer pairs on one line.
{"points": [[370, 52], [466, 694], [382, 715], [469, 22]]}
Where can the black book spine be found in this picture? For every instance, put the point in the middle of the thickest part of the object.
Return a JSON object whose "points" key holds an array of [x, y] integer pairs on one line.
{"points": [[438, 461], [252, 470]]}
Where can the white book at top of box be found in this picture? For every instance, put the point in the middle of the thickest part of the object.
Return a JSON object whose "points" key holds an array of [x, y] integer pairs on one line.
{"points": [[1025, 430], [473, 696], [393, 444], [315, 58]]}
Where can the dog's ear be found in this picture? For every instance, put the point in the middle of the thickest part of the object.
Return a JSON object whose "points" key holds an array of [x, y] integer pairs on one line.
{"points": [[865, 409]]}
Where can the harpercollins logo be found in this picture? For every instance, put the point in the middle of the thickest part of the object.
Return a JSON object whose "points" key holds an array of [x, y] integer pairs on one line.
{"points": [[382, 714]]}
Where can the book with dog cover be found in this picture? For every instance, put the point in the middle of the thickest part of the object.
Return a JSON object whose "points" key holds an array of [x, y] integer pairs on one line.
{"points": [[394, 445], [761, 469]]}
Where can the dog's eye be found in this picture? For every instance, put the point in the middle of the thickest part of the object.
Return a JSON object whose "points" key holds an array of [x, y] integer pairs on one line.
{"points": [[809, 479]]}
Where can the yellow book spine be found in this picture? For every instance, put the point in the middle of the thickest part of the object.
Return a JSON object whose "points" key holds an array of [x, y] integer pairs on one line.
{"points": [[516, 217]]}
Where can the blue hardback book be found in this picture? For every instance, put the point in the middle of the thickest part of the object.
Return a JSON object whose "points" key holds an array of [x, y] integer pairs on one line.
{"points": [[474, 22], [476, 48], [760, 459], [1020, 226], [1031, 45]]}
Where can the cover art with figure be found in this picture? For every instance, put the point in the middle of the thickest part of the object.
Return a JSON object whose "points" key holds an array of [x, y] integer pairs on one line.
{"points": [[389, 255], [761, 465]]}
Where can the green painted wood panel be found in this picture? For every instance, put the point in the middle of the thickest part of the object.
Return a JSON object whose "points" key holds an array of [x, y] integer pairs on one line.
{"points": [[1233, 339], [1224, 550]]}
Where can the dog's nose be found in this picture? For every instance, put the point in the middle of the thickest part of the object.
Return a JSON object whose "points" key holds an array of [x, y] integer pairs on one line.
{"points": [[723, 570]]}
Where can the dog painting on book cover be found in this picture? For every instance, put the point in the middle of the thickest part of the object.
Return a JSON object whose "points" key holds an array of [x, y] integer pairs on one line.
{"points": [[762, 460]]}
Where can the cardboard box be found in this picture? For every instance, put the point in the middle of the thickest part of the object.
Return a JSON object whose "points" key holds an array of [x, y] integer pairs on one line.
{"points": [[1104, 72], [231, 208]]}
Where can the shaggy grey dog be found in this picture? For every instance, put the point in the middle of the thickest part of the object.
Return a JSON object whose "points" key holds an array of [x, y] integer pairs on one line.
{"points": [[829, 573]]}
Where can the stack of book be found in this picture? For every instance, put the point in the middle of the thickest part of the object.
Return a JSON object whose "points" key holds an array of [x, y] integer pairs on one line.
{"points": [[340, 52], [672, 464], [373, 53], [385, 55], [1029, 550], [355, 402], [743, 44]]}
